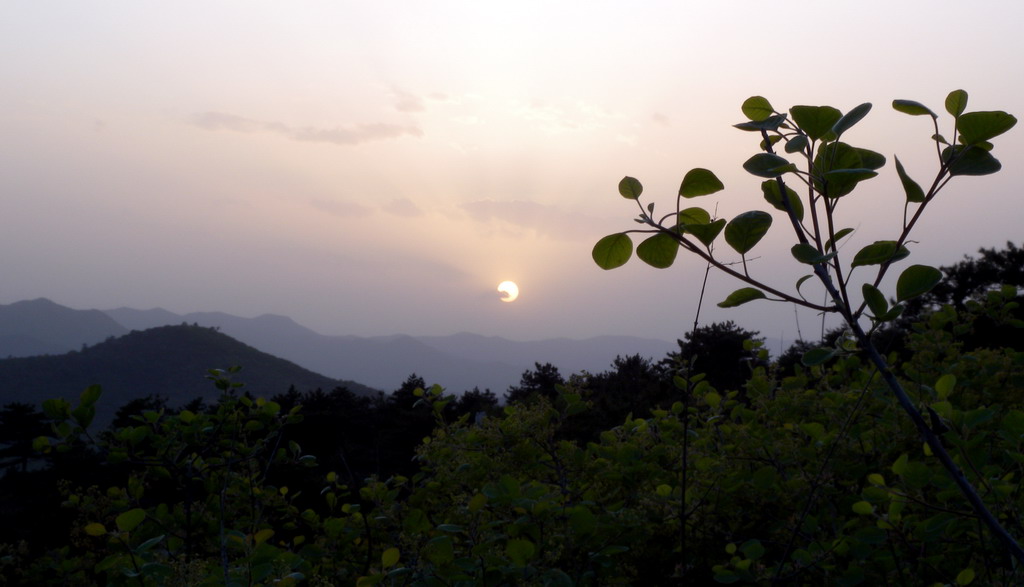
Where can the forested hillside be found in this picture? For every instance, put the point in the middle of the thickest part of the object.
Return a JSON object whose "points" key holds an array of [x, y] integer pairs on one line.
{"points": [[170, 361]]}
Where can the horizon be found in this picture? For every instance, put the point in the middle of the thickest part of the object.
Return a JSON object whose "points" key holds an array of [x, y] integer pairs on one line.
{"points": [[377, 170]]}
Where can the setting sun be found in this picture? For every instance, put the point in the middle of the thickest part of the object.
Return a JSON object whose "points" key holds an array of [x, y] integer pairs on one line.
{"points": [[510, 289]]}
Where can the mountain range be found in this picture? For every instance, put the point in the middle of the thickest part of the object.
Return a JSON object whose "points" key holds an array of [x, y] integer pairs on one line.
{"points": [[457, 362]]}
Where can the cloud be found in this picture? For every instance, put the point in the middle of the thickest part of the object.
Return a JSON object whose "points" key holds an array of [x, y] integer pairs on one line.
{"points": [[661, 119], [519, 217], [342, 209], [564, 115], [403, 207], [352, 135], [407, 101]]}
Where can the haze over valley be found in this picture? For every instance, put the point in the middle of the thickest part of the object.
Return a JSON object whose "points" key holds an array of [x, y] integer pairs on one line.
{"points": [[459, 362]]}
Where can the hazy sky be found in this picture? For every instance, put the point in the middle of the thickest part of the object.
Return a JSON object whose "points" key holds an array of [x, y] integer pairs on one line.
{"points": [[378, 167]]}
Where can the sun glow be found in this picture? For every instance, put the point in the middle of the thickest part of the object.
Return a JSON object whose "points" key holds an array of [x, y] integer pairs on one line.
{"points": [[510, 289]]}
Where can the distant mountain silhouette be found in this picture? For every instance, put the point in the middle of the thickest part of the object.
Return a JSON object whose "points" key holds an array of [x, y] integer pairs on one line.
{"points": [[38, 327], [458, 362], [171, 361]]}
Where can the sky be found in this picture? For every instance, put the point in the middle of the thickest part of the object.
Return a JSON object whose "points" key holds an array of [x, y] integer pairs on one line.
{"points": [[374, 168]]}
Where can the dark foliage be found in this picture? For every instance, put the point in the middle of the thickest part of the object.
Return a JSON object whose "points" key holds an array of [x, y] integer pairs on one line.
{"points": [[634, 385], [542, 382], [718, 351]]}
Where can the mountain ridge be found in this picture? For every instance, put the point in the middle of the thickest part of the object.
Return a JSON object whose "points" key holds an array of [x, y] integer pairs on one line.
{"points": [[458, 362], [170, 361]]}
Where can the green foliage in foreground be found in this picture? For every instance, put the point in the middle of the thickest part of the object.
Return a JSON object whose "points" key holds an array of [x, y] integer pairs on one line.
{"points": [[812, 479]]}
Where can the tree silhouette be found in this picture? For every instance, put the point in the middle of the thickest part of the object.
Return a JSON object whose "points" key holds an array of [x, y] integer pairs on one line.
{"points": [[718, 351], [541, 381], [20, 423]]}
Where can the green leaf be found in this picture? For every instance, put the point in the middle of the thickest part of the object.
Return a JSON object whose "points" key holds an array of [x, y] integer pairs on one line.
{"points": [[817, 356], [699, 182], [745, 230], [706, 233], [757, 108], [658, 251], [796, 144], [57, 409], [772, 140], [875, 300], [95, 529], [892, 314], [831, 243], [613, 251], [900, 466], [956, 102], [816, 121], [855, 163], [806, 253], [439, 550], [768, 165], [912, 108], [879, 252], [815, 430], [944, 386], [870, 159], [741, 296], [771, 123], [975, 127], [752, 549], [519, 550], [773, 196], [262, 536], [630, 188], [913, 191], [842, 181], [712, 399], [965, 577], [970, 161], [90, 395], [916, 280], [149, 544], [863, 508], [389, 558], [801, 281], [851, 118], [694, 216], [127, 521], [84, 414]]}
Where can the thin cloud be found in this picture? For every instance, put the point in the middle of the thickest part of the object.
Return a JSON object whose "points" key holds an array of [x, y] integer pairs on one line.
{"points": [[661, 119], [521, 216], [342, 209], [403, 207], [407, 101], [353, 135]]}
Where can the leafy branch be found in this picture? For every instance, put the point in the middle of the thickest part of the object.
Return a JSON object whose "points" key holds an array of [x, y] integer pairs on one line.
{"points": [[830, 170]]}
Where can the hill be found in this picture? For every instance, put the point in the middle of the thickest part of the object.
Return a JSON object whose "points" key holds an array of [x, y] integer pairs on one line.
{"points": [[39, 327], [171, 361]]}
